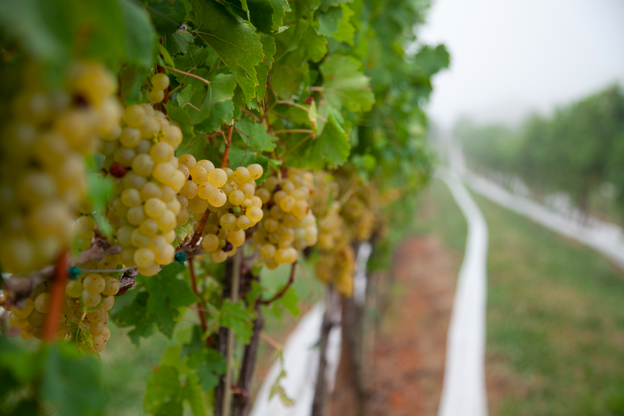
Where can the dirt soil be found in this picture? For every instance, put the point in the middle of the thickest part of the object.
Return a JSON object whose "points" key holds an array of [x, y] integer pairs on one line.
{"points": [[408, 360]]}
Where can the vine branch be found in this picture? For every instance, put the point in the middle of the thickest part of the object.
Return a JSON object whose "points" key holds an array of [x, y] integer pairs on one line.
{"points": [[202, 317], [281, 293], [57, 293]]}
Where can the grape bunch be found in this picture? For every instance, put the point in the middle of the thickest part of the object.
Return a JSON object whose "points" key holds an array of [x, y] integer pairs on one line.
{"points": [[230, 198], [144, 211], [84, 313], [337, 267], [336, 263], [288, 224], [43, 142]]}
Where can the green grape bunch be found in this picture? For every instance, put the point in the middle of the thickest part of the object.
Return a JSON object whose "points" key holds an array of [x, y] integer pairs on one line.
{"points": [[43, 177], [229, 198], [288, 225]]}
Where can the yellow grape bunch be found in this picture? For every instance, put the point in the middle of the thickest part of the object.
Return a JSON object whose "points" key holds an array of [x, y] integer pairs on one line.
{"points": [[84, 314], [229, 197], [288, 224], [337, 267], [336, 263], [140, 156], [43, 141]]}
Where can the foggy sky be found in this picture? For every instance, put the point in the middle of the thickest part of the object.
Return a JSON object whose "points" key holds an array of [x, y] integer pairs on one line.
{"points": [[511, 56]]}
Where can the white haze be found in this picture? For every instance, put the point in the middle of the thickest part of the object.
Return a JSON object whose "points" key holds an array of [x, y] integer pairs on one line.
{"points": [[512, 57]]}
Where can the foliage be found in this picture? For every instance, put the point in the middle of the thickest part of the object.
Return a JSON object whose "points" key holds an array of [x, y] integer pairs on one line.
{"points": [[574, 151]]}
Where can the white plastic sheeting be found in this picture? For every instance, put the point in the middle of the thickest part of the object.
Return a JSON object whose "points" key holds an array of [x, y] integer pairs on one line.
{"points": [[604, 237], [301, 357], [463, 391]]}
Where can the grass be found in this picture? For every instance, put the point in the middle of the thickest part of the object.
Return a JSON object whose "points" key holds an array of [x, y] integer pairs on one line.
{"points": [[438, 213], [555, 318], [555, 314]]}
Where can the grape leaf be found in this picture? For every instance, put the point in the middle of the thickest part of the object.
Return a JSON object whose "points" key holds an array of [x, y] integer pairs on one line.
{"points": [[167, 295], [328, 21], [194, 58], [331, 147], [192, 394], [140, 38], [237, 44], [221, 89], [257, 137], [182, 118], [431, 60], [326, 4], [345, 84], [118, 30], [221, 113], [177, 42], [135, 315], [209, 365], [346, 31], [175, 13], [268, 48], [64, 374], [239, 319], [163, 392]]}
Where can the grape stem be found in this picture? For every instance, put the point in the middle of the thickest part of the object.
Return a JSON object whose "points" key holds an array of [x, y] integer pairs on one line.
{"points": [[57, 294], [281, 293], [228, 144], [200, 312], [188, 74]]}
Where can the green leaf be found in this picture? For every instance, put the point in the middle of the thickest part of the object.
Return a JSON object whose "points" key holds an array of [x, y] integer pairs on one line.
{"points": [[236, 317], [257, 137], [331, 147], [237, 44], [173, 10], [277, 388], [167, 295], [192, 394], [194, 58], [268, 48], [209, 365], [346, 31], [180, 116], [178, 42], [163, 392], [221, 89], [221, 113], [166, 56], [72, 383], [135, 315], [328, 21], [431, 60], [345, 84], [140, 38], [326, 4], [289, 302]]}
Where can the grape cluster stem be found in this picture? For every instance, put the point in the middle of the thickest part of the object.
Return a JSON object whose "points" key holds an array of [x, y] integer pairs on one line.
{"points": [[202, 317], [281, 293]]}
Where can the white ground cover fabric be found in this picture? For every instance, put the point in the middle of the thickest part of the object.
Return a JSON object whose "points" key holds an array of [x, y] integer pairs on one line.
{"points": [[463, 391]]}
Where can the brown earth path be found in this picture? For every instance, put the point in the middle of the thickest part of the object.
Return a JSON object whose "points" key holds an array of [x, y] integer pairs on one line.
{"points": [[408, 360]]}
